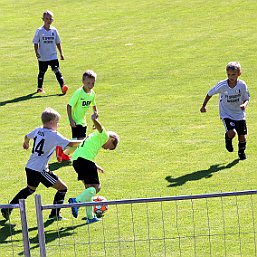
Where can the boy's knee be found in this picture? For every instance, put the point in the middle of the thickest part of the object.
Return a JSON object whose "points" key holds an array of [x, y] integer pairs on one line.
{"points": [[231, 133]]}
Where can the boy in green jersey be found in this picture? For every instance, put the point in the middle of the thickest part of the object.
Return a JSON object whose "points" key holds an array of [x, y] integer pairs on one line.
{"points": [[84, 165], [77, 108]]}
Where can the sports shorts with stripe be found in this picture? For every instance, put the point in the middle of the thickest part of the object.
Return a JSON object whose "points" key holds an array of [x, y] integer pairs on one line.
{"points": [[34, 178]]}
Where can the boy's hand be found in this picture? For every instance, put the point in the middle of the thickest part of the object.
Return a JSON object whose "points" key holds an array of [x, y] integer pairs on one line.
{"points": [[26, 145], [94, 116], [243, 106]]}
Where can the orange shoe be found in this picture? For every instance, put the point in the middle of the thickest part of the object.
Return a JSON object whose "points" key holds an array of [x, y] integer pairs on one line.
{"points": [[65, 157], [59, 153], [64, 89]]}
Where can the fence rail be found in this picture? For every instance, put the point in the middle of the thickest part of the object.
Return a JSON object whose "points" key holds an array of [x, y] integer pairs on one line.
{"points": [[135, 239]]}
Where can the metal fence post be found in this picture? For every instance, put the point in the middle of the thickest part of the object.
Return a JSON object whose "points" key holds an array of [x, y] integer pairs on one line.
{"points": [[25, 235], [40, 225]]}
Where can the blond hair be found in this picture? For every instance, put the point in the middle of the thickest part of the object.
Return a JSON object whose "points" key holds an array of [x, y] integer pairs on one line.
{"points": [[47, 12], [49, 114], [234, 66], [116, 138]]}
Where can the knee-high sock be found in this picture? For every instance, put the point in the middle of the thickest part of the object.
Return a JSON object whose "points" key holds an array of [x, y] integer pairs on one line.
{"points": [[58, 199], [87, 196]]}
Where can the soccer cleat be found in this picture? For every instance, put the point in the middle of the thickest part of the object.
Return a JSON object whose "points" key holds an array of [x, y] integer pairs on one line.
{"points": [[40, 90], [228, 142], [90, 221], [64, 89], [56, 217], [59, 152], [65, 157], [6, 213], [242, 156], [74, 210]]}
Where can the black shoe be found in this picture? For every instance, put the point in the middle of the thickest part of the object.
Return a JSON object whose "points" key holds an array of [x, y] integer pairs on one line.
{"points": [[6, 213], [242, 156], [228, 142]]}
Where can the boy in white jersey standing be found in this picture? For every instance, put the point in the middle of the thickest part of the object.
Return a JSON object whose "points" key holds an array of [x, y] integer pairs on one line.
{"points": [[87, 170], [45, 41], [233, 100], [45, 140], [82, 99]]}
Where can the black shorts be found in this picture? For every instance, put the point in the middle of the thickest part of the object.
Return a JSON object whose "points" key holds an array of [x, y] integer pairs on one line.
{"points": [[34, 178], [86, 170], [238, 125], [43, 66], [79, 131]]}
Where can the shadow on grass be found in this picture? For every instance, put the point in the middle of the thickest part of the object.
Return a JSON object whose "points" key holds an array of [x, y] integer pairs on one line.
{"points": [[56, 165], [52, 235], [7, 231], [26, 97], [179, 181]]}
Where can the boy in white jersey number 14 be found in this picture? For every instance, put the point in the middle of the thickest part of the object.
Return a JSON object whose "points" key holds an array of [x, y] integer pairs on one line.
{"points": [[233, 100], [45, 140]]}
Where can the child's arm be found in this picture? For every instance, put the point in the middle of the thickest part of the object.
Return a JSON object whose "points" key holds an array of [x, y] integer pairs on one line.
{"points": [[59, 47], [69, 112], [36, 50], [99, 168], [74, 143], [26, 143], [244, 105], [97, 124], [206, 100]]}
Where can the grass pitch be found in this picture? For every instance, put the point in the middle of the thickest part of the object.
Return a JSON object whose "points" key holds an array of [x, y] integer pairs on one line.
{"points": [[155, 62]]}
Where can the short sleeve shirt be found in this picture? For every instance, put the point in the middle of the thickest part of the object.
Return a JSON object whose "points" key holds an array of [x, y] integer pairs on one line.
{"points": [[47, 40], [90, 146], [45, 141], [80, 103], [230, 99]]}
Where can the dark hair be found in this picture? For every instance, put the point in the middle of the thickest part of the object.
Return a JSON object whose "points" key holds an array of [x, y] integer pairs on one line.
{"points": [[89, 74]]}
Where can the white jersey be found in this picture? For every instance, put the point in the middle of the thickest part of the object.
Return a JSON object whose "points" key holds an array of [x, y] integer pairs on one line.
{"points": [[230, 99], [45, 141], [47, 40]]}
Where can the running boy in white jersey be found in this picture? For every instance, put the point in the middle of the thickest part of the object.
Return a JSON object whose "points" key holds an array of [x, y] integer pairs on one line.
{"points": [[233, 100], [45, 41], [77, 108], [45, 140], [84, 165]]}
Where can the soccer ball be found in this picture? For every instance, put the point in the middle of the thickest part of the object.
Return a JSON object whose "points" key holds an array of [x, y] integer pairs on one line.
{"points": [[100, 210]]}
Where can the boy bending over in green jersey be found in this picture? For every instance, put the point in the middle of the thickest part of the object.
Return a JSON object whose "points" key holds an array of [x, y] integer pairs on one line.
{"points": [[84, 165]]}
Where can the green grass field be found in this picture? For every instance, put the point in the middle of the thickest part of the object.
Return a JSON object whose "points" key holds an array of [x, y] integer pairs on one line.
{"points": [[155, 62]]}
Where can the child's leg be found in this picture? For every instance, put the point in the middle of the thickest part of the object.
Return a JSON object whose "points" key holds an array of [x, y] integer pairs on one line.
{"points": [[229, 135], [58, 199], [87, 196], [42, 70], [59, 196], [241, 147], [56, 69], [23, 194]]}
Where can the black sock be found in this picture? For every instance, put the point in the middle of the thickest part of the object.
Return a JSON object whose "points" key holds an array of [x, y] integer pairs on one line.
{"points": [[58, 199], [241, 146], [23, 194]]}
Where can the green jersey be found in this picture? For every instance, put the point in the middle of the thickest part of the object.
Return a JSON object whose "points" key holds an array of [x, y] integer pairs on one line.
{"points": [[80, 102], [89, 148]]}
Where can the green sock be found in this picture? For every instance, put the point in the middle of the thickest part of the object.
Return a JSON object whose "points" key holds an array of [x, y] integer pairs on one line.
{"points": [[87, 196]]}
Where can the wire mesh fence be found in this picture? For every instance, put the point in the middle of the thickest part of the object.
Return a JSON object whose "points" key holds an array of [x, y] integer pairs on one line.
{"points": [[222, 224]]}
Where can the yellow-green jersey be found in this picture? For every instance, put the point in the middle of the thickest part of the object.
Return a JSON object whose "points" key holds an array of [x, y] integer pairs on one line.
{"points": [[80, 103], [90, 147]]}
